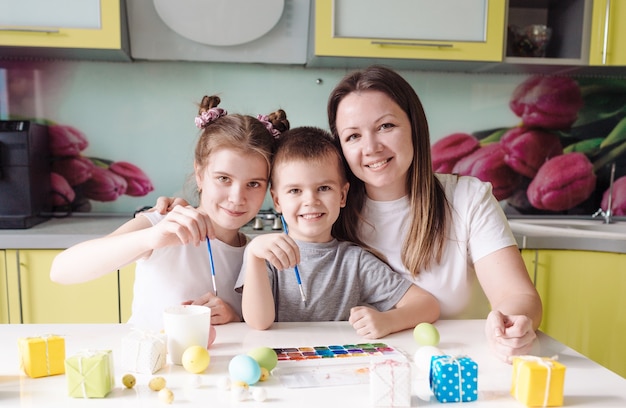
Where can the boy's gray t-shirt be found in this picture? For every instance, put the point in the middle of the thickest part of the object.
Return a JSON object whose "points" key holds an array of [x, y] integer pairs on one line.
{"points": [[336, 276]]}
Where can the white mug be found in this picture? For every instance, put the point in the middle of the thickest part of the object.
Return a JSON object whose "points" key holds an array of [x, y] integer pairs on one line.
{"points": [[185, 326]]}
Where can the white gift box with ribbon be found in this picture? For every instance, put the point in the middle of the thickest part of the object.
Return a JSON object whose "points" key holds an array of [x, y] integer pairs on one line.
{"points": [[390, 383], [144, 351]]}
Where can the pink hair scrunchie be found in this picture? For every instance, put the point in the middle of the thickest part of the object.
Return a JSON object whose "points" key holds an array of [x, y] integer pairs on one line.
{"points": [[209, 116], [265, 120]]}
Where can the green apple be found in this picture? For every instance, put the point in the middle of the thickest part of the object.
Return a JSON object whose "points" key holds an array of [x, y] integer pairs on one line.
{"points": [[265, 356], [425, 334]]}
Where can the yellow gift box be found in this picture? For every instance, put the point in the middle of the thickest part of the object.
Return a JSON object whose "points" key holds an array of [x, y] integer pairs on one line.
{"points": [[42, 356], [537, 381], [90, 374]]}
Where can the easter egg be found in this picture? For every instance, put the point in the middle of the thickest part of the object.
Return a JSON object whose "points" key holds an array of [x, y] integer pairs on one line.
{"points": [[259, 394], [166, 395], [425, 334], [196, 359], [129, 380], [244, 368], [265, 356], [424, 355]]}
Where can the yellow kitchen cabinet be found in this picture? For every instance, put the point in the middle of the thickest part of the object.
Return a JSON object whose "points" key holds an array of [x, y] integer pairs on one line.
{"points": [[4, 290], [34, 298], [608, 33], [74, 29], [127, 280], [469, 30], [583, 300]]}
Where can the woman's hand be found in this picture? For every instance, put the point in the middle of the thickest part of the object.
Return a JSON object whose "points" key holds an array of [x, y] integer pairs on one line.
{"points": [[509, 336], [166, 204], [221, 312]]}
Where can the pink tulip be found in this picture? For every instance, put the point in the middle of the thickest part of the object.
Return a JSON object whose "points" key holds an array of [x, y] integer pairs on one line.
{"points": [[562, 183], [76, 170], [526, 150], [547, 101], [448, 151], [138, 183], [487, 164], [62, 193], [618, 202], [66, 141], [104, 185]]}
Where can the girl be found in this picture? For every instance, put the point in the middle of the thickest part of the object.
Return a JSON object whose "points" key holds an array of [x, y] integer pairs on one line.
{"points": [[231, 167]]}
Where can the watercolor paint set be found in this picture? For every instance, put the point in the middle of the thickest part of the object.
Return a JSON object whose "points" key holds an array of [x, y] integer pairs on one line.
{"points": [[336, 354]]}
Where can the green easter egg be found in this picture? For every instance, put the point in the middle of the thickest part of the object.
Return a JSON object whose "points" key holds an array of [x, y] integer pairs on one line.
{"points": [[425, 334], [265, 356]]}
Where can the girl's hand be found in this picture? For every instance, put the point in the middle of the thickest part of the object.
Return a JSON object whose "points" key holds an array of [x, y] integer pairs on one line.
{"points": [[509, 335], [182, 225], [221, 312], [278, 249], [368, 322], [166, 204]]}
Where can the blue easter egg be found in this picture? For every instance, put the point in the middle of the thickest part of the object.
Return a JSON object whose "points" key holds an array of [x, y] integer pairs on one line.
{"points": [[244, 368]]}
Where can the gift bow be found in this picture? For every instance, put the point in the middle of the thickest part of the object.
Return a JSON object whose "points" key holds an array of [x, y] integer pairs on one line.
{"points": [[547, 363]]}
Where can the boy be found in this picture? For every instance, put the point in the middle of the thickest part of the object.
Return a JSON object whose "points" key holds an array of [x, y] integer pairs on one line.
{"points": [[342, 281]]}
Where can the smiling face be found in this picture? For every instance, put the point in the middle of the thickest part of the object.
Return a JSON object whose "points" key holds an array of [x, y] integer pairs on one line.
{"points": [[375, 135], [233, 186], [310, 195]]}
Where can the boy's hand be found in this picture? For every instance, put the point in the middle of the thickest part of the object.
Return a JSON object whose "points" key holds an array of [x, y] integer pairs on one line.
{"points": [[221, 312], [368, 322], [278, 249]]}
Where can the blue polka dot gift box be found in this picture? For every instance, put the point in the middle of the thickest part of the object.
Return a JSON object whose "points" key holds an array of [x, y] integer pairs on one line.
{"points": [[454, 379]]}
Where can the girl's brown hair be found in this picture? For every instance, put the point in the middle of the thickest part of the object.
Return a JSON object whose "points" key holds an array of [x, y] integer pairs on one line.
{"points": [[429, 209]]}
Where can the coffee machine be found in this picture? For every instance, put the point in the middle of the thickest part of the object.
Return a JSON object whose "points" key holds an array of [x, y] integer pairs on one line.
{"points": [[24, 174]]}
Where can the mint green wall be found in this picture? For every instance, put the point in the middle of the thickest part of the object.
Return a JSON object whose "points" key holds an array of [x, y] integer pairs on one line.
{"points": [[143, 112]]}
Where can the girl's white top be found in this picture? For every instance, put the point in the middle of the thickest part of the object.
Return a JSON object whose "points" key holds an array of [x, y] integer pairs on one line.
{"points": [[175, 274]]}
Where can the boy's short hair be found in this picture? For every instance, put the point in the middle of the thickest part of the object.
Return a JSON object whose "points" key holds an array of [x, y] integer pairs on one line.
{"points": [[309, 144]]}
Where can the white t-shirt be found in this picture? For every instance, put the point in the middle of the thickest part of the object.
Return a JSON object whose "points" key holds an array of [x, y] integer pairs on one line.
{"points": [[478, 228], [174, 274]]}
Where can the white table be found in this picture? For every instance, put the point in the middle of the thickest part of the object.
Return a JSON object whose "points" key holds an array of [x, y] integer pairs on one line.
{"points": [[587, 384]]}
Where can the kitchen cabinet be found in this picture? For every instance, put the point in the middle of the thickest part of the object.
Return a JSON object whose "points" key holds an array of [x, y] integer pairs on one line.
{"points": [[72, 29], [608, 35], [34, 298], [4, 291], [410, 29], [583, 300]]}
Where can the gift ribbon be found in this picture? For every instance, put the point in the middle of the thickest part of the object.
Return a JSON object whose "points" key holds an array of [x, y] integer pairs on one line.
{"points": [[81, 355], [391, 363], [455, 361], [547, 363]]}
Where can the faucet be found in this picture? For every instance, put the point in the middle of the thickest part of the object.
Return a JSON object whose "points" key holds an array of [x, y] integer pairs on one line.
{"points": [[607, 215]]}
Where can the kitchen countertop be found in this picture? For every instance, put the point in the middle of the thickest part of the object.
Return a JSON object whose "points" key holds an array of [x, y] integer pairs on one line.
{"points": [[587, 384], [61, 233]]}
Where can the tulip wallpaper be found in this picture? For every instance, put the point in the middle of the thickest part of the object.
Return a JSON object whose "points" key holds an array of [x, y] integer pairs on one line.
{"points": [[123, 134], [557, 158]]}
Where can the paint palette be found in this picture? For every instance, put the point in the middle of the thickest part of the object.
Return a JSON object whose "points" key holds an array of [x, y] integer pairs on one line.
{"points": [[336, 354]]}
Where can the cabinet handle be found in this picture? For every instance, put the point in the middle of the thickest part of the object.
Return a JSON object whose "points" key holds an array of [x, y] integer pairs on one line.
{"points": [[607, 13], [411, 44], [31, 30]]}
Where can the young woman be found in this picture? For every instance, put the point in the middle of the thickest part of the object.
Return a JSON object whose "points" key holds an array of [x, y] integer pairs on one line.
{"points": [[231, 167], [452, 230]]}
